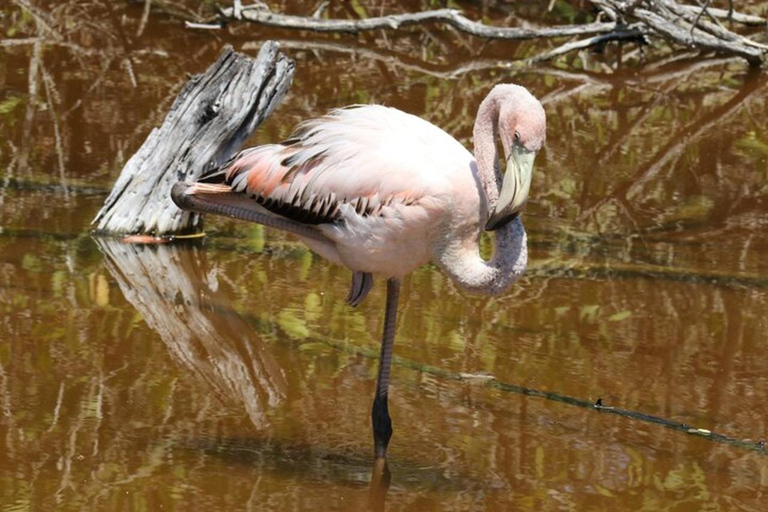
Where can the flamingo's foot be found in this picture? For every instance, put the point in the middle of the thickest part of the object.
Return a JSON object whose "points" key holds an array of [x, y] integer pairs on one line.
{"points": [[382, 426]]}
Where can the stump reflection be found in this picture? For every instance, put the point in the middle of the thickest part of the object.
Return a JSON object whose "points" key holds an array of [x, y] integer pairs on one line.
{"points": [[175, 290]]}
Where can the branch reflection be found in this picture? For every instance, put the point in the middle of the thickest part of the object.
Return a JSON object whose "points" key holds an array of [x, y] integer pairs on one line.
{"points": [[176, 293]]}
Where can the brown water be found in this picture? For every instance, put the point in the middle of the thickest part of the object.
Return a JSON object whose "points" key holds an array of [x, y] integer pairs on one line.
{"points": [[248, 385]]}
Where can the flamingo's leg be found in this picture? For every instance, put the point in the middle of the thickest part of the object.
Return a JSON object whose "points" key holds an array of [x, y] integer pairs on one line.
{"points": [[232, 204], [382, 424]]}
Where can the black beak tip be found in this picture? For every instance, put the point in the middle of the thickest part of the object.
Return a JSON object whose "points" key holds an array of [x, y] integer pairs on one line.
{"points": [[495, 222]]}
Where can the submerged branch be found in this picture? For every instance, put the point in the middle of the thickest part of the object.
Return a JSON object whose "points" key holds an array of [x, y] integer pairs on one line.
{"points": [[168, 286], [491, 382]]}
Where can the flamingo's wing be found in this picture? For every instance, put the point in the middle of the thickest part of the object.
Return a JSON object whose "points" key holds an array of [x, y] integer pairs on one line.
{"points": [[365, 157]]}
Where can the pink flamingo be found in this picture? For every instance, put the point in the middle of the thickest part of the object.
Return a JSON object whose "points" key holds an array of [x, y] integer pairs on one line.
{"points": [[383, 192]]}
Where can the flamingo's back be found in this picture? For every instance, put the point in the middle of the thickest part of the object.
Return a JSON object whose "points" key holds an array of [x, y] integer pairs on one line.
{"points": [[368, 157], [374, 179]]}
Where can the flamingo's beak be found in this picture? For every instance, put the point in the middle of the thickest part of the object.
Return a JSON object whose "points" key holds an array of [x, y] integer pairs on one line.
{"points": [[514, 189]]}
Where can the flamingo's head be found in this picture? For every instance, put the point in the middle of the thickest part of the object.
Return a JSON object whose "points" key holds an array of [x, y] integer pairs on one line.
{"points": [[522, 129]]}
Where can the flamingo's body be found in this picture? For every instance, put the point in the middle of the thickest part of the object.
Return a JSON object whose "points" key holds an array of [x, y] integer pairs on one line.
{"points": [[383, 192], [358, 175]]}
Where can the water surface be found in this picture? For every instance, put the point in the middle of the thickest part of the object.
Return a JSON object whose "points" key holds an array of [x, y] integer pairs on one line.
{"points": [[248, 384]]}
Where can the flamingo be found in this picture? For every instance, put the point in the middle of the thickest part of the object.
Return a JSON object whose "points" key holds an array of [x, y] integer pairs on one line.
{"points": [[383, 192]]}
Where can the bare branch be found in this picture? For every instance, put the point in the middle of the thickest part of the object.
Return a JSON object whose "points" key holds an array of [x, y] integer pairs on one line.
{"points": [[202, 26], [144, 18], [716, 30], [701, 12], [449, 17], [681, 26], [20, 41], [619, 35], [237, 9], [744, 19]]}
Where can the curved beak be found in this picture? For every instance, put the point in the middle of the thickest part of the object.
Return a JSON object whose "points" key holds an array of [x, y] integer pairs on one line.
{"points": [[514, 189]]}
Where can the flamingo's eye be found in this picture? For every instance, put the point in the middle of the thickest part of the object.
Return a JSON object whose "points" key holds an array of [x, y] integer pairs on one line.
{"points": [[517, 137]]}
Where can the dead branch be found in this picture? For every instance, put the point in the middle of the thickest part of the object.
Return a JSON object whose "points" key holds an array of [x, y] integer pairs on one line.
{"points": [[628, 34], [723, 14], [715, 29], [450, 17], [167, 284], [596, 406], [681, 26], [21, 41]]}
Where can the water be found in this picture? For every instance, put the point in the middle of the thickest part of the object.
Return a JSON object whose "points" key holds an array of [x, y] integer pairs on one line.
{"points": [[248, 385]]}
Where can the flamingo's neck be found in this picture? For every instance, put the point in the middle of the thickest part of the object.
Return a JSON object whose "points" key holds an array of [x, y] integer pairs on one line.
{"points": [[485, 135], [472, 273], [462, 261]]}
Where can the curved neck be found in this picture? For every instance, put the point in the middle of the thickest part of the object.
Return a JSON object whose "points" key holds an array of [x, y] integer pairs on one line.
{"points": [[485, 134], [473, 274], [460, 257]]}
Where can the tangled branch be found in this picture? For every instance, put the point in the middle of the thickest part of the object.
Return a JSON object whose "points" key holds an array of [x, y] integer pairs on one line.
{"points": [[684, 26], [678, 24]]}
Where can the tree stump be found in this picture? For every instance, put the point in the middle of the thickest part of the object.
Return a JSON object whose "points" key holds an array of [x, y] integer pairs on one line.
{"points": [[210, 119]]}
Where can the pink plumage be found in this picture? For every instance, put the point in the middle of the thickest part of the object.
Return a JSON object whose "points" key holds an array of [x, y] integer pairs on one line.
{"points": [[382, 192]]}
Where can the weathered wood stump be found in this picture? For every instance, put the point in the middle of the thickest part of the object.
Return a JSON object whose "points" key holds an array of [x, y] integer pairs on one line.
{"points": [[211, 118]]}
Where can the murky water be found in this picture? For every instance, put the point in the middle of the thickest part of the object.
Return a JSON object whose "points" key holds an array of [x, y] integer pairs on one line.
{"points": [[247, 385]]}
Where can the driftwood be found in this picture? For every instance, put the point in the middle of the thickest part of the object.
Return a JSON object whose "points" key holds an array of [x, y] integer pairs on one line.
{"points": [[212, 116], [681, 25]]}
